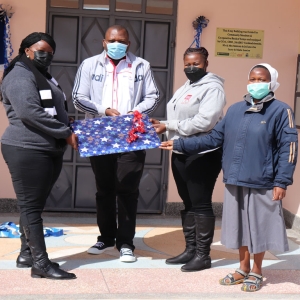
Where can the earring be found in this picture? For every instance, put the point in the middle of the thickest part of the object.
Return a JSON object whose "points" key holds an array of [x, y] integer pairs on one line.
{"points": [[27, 56]]}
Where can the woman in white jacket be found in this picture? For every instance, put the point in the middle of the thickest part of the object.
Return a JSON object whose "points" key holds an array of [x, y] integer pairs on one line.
{"points": [[194, 110]]}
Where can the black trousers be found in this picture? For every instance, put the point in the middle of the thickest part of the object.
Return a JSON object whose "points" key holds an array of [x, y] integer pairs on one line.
{"points": [[33, 174], [195, 178], [117, 177]]}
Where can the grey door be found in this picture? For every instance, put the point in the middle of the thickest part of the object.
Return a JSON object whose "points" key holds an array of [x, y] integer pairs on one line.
{"points": [[78, 27]]}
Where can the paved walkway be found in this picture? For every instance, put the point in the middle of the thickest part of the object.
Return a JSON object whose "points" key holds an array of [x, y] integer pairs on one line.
{"points": [[157, 238]]}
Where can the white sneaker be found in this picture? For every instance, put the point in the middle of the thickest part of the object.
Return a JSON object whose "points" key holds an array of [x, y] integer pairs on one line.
{"points": [[126, 255], [99, 248]]}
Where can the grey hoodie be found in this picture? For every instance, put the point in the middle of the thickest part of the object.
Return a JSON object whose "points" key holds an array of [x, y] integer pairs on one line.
{"points": [[196, 108], [30, 126]]}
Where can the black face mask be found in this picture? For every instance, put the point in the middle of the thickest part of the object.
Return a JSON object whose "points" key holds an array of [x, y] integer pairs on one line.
{"points": [[194, 73], [42, 60]]}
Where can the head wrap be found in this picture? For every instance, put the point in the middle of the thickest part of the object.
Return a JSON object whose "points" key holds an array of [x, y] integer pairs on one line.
{"points": [[274, 75]]}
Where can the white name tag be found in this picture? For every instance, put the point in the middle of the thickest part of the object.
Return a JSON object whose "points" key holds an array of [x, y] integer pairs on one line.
{"points": [[51, 111], [45, 94]]}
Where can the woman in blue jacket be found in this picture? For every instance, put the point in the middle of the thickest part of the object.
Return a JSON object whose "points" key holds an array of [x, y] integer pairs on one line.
{"points": [[259, 141]]}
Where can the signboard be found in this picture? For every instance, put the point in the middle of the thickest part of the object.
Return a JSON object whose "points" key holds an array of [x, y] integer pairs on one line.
{"points": [[239, 43]]}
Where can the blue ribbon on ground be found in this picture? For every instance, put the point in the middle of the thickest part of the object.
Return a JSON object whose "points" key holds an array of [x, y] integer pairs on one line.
{"points": [[11, 230]]}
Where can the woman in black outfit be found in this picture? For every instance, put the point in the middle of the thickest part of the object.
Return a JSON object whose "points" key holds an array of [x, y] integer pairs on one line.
{"points": [[33, 144]]}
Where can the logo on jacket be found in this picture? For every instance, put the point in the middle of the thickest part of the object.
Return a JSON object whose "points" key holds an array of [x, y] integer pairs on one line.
{"points": [[97, 77], [263, 122], [186, 99], [138, 78]]}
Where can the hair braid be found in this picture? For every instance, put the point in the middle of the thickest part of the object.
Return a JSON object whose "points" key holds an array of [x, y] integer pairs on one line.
{"points": [[202, 51]]}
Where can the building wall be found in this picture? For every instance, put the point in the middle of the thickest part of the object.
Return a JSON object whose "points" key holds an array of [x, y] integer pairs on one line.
{"points": [[281, 47], [29, 16]]}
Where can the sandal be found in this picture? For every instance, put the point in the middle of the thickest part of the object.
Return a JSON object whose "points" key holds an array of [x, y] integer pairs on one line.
{"points": [[256, 283], [232, 281]]}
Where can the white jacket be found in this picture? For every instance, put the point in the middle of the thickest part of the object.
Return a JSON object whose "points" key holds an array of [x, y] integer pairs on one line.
{"points": [[90, 79]]}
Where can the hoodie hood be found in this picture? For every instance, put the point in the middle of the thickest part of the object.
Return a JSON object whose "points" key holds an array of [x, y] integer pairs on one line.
{"points": [[257, 107]]}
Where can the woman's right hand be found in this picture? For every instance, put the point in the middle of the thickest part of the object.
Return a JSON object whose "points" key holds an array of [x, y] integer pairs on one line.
{"points": [[72, 140], [154, 121], [167, 145], [160, 128]]}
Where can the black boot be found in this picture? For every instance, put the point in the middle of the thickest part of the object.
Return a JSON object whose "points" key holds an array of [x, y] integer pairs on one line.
{"points": [[24, 260], [42, 266], [205, 226], [188, 225]]}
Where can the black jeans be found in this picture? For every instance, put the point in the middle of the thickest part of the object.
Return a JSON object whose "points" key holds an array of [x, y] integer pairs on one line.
{"points": [[117, 176], [195, 178], [33, 174]]}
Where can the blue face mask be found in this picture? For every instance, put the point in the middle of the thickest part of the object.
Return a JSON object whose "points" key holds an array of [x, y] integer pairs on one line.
{"points": [[259, 90], [116, 50]]}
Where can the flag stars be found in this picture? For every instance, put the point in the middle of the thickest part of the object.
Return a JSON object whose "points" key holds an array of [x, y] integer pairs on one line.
{"points": [[116, 145], [108, 128], [104, 139], [97, 122], [147, 142], [84, 149]]}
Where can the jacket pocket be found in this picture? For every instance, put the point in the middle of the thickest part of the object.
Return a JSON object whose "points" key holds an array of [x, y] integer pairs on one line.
{"points": [[292, 134]]}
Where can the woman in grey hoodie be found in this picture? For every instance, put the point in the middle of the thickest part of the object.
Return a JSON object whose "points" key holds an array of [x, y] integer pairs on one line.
{"points": [[194, 110]]}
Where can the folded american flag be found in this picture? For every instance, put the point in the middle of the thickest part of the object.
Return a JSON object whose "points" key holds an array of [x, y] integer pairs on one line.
{"points": [[108, 135]]}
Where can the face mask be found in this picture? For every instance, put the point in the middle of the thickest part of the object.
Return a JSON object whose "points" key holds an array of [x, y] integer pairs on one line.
{"points": [[259, 90], [194, 74], [42, 60], [116, 50]]}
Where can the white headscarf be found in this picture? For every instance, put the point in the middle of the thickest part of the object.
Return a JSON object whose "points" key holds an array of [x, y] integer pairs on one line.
{"points": [[274, 75]]}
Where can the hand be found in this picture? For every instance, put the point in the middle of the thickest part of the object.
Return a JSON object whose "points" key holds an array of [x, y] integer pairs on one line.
{"points": [[72, 140], [168, 145], [154, 121], [278, 193], [111, 112], [71, 120], [159, 128]]}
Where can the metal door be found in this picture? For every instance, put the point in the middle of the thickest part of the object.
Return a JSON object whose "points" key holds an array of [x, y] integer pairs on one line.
{"points": [[78, 27]]}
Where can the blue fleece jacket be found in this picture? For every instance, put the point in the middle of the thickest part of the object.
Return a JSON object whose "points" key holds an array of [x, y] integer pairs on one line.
{"points": [[259, 143]]}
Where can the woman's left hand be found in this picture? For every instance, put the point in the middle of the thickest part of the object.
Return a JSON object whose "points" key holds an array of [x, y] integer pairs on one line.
{"points": [[278, 193]]}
